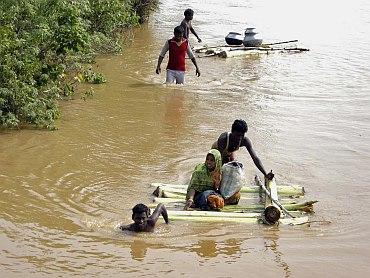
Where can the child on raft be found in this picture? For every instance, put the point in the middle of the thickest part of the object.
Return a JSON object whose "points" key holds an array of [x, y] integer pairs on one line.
{"points": [[205, 181]]}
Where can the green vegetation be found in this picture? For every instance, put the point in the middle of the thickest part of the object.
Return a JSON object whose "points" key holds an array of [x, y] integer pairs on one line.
{"points": [[48, 46]]}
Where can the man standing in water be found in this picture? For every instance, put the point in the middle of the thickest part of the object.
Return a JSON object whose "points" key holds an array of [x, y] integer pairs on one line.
{"points": [[186, 24], [229, 142], [177, 47]]}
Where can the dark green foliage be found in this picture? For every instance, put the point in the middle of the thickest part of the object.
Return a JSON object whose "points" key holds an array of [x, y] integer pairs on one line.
{"points": [[46, 46], [143, 8]]}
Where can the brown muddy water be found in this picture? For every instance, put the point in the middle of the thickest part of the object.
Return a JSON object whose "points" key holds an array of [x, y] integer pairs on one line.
{"points": [[64, 192]]}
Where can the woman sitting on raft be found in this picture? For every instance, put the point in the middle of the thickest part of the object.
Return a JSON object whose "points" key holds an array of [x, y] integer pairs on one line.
{"points": [[205, 181]]}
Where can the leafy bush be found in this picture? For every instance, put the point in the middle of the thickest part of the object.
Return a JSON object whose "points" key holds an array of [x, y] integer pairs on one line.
{"points": [[46, 47]]}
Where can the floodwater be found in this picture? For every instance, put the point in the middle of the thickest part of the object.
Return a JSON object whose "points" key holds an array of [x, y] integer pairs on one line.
{"points": [[63, 192]]}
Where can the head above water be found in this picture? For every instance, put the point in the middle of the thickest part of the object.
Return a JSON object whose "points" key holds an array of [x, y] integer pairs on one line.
{"points": [[213, 160], [239, 126], [238, 129], [140, 215], [189, 13], [178, 32]]}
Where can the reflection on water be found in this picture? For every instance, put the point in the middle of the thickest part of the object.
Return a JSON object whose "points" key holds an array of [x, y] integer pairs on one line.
{"points": [[63, 193], [138, 250], [206, 249], [271, 243], [211, 248]]}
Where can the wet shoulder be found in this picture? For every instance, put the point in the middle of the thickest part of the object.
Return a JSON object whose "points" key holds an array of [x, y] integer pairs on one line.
{"points": [[223, 136], [222, 139], [245, 142]]}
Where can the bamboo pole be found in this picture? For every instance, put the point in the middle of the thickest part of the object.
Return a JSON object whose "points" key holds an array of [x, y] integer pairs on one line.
{"points": [[283, 42], [284, 221], [197, 50], [202, 213], [241, 52], [168, 192], [169, 200], [291, 190], [213, 219], [271, 213], [181, 199], [263, 187], [290, 206]]}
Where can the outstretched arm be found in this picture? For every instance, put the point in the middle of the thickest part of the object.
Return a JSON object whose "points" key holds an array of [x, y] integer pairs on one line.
{"points": [[159, 210], [195, 34], [252, 153]]}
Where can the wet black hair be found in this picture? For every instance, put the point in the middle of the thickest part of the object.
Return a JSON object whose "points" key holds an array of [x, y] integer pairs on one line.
{"points": [[188, 12], [140, 208], [239, 126], [178, 30]]}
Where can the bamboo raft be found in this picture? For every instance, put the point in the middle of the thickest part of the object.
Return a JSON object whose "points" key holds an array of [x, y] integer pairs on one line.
{"points": [[259, 203], [227, 51]]}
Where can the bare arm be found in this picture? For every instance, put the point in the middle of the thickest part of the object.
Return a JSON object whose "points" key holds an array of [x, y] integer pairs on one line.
{"points": [[220, 143], [195, 34], [248, 144], [191, 56], [129, 227], [189, 198], [158, 69], [159, 210], [164, 50], [191, 191]]}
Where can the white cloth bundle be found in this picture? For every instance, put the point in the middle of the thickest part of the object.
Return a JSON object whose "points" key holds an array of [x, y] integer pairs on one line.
{"points": [[232, 178]]}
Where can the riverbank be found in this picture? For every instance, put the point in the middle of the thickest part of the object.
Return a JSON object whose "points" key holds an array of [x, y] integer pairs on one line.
{"points": [[48, 48]]}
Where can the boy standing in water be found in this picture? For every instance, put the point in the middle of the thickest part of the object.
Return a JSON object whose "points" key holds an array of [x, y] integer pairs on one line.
{"points": [[186, 24], [143, 220], [177, 47]]}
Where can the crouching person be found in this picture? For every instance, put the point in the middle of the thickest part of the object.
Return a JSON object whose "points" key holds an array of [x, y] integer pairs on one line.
{"points": [[143, 220], [203, 188]]}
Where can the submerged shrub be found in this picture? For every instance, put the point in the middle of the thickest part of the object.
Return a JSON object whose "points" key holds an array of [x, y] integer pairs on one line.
{"points": [[45, 45]]}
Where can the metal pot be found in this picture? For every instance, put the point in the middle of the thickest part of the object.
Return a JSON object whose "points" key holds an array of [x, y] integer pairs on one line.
{"points": [[250, 38], [234, 38]]}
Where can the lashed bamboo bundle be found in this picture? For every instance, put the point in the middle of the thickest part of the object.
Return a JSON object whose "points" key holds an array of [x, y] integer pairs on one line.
{"points": [[271, 213], [181, 198], [304, 206], [227, 51], [299, 220], [212, 213], [286, 190], [266, 45], [290, 206]]}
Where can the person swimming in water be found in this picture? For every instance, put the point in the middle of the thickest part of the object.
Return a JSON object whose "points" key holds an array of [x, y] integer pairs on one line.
{"points": [[143, 220]]}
